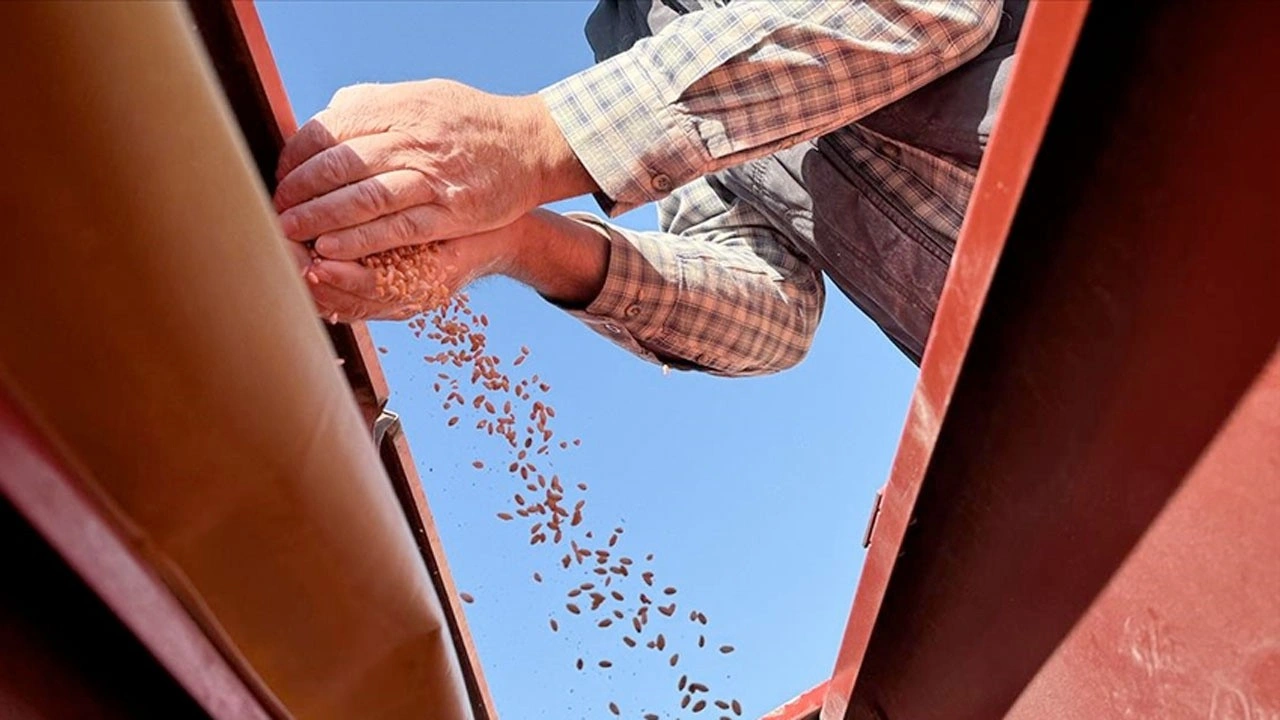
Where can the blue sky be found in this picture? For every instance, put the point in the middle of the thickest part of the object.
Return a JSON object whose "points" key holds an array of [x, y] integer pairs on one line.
{"points": [[751, 493]]}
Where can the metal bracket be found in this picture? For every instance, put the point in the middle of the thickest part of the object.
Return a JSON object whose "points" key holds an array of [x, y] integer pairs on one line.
{"points": [[871, 521], [386, 422]]}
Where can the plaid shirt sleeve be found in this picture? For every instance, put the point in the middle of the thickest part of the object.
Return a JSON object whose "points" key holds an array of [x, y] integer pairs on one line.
{"points": [[724, 85], [719, 292]]}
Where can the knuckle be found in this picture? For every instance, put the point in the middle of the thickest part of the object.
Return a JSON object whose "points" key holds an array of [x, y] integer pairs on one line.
{"points": [[316, 132], [371, 197], [403, 226], [422, 188], [301, 220], [332, 167]]}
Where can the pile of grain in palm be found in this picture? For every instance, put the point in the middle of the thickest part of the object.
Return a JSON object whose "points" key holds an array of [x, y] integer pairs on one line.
{"points": [[512, 406]]}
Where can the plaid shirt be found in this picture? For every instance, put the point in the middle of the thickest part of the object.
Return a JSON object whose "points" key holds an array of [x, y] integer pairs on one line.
{"points": [[719, 288]]}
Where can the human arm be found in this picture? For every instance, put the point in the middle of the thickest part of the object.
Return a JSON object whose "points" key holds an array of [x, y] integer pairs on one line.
{"points": [[722, 86], [720, 292], [409, 163], [386, 166]]}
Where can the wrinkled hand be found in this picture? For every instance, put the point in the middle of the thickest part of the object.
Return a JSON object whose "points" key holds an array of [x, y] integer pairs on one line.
{"points": [[347, 290], [410, 163]]}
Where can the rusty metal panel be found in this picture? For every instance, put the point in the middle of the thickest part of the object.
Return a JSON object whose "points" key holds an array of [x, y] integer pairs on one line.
{"points": [[1087, 528]]}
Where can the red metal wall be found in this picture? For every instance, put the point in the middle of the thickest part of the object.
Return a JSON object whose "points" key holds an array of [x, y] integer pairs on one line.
{"points": [[1084, 519]]}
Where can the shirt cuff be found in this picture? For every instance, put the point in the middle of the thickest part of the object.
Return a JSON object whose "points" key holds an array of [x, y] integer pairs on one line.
{"points": [[629, 136], [640, 290]]}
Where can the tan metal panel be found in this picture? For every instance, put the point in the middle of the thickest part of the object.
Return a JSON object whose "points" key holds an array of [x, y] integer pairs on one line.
{"points": [[152, 323]]}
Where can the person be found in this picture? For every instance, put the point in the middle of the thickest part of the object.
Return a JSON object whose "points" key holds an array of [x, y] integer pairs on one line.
{"points": [[781, 141]]}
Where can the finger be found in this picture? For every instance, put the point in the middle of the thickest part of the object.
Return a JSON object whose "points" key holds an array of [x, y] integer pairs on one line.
{"points": [[351, 277], [355, 204], [342, 164], [314, 135], [300, 255], [334, 303], [413, 226], [337, 304]]}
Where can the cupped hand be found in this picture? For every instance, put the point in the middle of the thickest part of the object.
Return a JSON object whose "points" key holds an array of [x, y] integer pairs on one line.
{"points": [[402, 164], [351, 290]]}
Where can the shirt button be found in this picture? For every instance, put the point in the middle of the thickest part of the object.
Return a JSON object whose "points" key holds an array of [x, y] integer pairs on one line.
{"points": [[661, 183], [612, 328], [633, 311]]}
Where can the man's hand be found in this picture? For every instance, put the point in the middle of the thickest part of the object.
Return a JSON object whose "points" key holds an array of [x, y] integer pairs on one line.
{"points": [[347, 290], [410, 163], [563, 259]]}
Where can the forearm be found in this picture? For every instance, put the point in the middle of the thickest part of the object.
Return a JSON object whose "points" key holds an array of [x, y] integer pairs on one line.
{"points": [[721, 86], [563, 259], [723, 294]]}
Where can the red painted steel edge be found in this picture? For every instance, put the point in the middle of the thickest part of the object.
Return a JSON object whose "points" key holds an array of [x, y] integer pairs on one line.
{"points": [[804, 706], [51, 496], [408, 486], [1044, 51], [256, 38]]}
